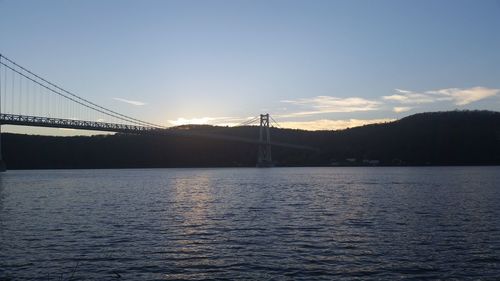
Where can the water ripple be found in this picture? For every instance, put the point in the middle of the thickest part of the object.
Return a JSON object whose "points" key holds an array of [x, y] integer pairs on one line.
{"points": [[251, 224]]}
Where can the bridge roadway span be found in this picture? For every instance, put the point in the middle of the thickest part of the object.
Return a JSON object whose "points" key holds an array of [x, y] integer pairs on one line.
{"points": [[34, 121]]}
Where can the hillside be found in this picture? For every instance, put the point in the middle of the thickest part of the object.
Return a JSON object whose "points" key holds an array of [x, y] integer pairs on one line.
{"points": [[439, 138]]}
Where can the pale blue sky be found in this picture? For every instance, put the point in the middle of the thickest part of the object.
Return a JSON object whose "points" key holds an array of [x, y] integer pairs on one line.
{"points": [[301, 61]]}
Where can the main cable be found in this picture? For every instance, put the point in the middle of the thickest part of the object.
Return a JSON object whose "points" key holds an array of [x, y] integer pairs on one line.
{"points": [[76, 101], [275, 122], [248, 122], [109, 111]]}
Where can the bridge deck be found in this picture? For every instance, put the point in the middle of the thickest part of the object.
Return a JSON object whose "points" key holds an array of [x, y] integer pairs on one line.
{"points": [[35, 121], [23, 120]]}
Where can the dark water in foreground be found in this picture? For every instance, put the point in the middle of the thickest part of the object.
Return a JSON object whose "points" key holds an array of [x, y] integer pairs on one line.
{"points": [[259, 224]]}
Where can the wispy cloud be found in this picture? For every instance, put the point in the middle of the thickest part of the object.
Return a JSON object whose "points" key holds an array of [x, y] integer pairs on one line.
{"points": [[328, 104], [458, 96], [399, 109], [221, 121], [403, 91], [400, 101], [132, 102], [466, 96], [322, 124], [325, 124], [408, 97]]}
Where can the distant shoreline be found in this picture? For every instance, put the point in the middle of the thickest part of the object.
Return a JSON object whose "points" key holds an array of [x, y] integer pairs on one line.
{"points": [[248, 167], [453, 138]]}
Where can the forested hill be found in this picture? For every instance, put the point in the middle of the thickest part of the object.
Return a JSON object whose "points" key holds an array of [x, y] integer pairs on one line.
{"points": [[438, 138]]}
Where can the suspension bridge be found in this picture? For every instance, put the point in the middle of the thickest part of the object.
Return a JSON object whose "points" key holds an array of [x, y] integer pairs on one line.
{"points": [[27, 99]]}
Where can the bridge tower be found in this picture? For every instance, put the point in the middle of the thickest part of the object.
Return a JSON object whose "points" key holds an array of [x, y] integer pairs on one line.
{"points": [[264, 157]]}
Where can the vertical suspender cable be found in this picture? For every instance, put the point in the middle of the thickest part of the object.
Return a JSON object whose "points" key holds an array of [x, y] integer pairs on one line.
{"points": [[88, 103]]}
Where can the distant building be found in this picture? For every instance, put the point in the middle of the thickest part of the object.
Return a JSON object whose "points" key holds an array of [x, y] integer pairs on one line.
{"points": [[371, 162], [397, 162]]}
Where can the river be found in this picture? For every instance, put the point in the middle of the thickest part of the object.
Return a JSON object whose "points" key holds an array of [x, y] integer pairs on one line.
{"points": [[251, 224]]}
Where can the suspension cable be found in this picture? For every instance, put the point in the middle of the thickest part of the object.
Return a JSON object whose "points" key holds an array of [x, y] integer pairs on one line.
{"points": [[248, 122], [76, 101], [109, 111], [275, 122]]}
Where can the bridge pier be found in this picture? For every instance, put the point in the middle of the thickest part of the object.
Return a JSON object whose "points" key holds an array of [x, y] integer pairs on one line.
{"points": [[2, 163], [264, 159]]}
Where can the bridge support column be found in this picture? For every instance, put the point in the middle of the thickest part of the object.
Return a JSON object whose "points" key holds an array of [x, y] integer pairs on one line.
{"points": [[2, 163], [264, 157]]}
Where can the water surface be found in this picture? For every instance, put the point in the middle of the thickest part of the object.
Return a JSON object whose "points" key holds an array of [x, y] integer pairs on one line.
{"points": [[254, 224]]}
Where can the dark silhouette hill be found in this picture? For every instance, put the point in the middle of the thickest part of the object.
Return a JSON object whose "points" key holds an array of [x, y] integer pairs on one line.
{"points": [[437, 138]]}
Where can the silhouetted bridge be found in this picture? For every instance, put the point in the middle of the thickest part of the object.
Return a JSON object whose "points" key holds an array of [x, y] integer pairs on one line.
{"points": [[27, 99]]}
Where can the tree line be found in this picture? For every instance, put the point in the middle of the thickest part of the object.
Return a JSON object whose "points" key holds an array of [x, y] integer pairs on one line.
{"points": [[436, 138]]}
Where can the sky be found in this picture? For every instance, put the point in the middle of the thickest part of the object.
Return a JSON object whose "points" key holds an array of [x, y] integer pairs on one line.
{"points": [[310, 64]]}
